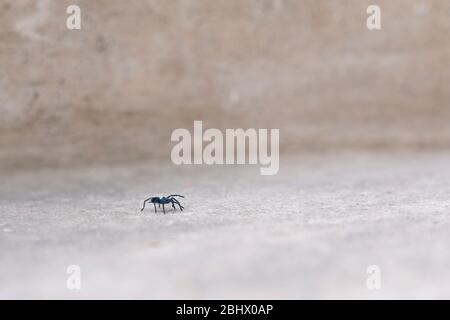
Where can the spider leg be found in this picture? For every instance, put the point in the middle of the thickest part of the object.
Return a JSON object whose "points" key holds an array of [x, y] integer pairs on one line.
{"points": [[178, 203], [155, 206], [143, 206], [175, 195], [164, 210]]}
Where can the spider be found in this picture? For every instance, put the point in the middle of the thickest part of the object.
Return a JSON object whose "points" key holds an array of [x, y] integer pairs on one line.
{"points": [[163, 201]]}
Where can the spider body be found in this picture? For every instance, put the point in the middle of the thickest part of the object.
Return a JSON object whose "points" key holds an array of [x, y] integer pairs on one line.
{"points": [[171, 199]]}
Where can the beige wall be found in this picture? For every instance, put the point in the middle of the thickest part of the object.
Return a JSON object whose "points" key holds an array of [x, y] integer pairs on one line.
{"points": [[115, 90]]}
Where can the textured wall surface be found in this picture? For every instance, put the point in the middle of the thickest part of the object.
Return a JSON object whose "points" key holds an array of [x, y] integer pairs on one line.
{"points": [[114, 91]]}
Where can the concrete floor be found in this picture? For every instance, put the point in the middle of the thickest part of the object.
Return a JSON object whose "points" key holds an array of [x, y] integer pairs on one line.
{"points": [[309, 232]]}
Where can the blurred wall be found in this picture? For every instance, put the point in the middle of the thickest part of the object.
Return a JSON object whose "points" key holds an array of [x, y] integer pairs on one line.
{"points": [[114, 91]]}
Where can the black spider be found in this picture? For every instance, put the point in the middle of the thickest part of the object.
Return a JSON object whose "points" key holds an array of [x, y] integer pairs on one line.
{"points": [[163, 201]]}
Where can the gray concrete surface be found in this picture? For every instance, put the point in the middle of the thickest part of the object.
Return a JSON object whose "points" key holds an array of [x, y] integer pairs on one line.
{"points": [[309, 232]]}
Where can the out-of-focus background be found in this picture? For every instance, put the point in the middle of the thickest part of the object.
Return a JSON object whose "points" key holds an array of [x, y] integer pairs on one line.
{"points": [[85, 123], [114, 91]]}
